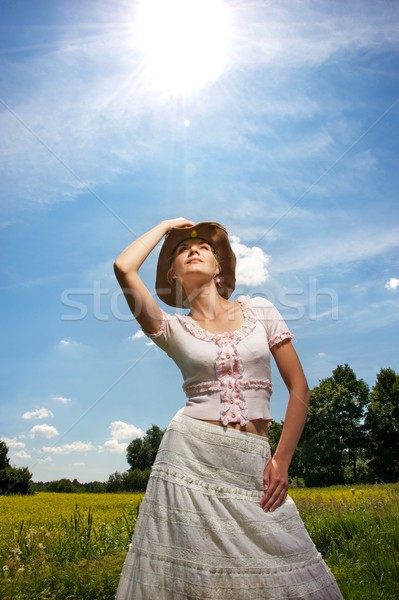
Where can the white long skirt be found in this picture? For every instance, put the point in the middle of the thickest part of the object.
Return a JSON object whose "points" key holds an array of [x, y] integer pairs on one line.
{"points": [[201, 534]]}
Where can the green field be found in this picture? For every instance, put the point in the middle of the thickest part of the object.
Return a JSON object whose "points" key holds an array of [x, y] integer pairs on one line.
{"points": [[72, 546]]}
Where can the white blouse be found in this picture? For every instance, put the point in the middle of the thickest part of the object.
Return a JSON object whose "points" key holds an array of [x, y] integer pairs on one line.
{"points": [[226, 375]]}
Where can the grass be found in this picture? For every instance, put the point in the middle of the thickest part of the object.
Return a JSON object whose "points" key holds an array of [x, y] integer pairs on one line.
{"points": [[72, 547], [64, 546], [357, 531]]}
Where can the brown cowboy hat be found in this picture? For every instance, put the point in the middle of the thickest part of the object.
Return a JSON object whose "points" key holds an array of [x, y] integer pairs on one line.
{"points": [[213, 233]]}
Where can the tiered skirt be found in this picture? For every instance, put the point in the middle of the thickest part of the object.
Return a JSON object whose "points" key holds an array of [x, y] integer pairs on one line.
{"points": [[201, 534]]}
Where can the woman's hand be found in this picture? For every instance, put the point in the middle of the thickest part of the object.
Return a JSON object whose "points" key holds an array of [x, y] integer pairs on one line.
{"points": [[179, 222], [275, 482]]}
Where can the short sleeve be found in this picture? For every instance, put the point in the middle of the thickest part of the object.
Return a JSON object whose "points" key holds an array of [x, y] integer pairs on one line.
{"points": [[162, 337], [274, 324]]}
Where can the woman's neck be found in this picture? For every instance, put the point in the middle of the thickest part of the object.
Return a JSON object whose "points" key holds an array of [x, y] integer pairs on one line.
{"points": [[207, 305]]}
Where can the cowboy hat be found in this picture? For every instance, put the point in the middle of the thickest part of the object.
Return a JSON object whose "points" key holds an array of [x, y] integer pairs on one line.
{"points": [[213, 233]]}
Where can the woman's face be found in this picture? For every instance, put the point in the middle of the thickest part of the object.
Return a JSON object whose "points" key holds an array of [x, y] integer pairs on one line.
{"points": [[194, 255]]}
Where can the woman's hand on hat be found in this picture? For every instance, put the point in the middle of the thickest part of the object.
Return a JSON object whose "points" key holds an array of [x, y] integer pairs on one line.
{"points": [[178, 222]]}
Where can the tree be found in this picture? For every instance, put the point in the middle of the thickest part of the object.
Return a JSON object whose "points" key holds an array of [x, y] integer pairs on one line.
{"points": [[333, 437], [95, 487], [141, 452], [13, 480], [64, 486], [274, 434], [115, 482], [135, 480], [295, 472], [382, 426]]}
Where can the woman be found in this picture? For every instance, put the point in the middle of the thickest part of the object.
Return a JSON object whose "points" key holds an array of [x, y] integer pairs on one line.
{"points": [[216, 521]]}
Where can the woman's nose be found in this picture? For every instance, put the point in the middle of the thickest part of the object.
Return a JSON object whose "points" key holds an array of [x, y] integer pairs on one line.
{"points": [[193, 249]]}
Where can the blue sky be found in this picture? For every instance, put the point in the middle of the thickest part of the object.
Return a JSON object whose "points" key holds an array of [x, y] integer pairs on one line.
{"points": [[291, 143]]}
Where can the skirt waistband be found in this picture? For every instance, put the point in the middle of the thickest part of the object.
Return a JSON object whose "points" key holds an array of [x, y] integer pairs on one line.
{"points": [[225, 432]]}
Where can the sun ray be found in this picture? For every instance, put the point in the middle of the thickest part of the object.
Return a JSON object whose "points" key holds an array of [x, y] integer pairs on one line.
{"points": [[184, 43]]}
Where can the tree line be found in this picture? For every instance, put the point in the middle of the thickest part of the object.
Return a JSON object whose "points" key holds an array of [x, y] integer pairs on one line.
{"points": [[351, 436], [352, 433]]}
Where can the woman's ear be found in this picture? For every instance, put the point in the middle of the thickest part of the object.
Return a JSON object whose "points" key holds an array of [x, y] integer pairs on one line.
{"points": [[171, 276]]}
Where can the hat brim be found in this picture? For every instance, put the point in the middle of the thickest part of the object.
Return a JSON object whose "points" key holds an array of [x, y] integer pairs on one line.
{"points": [[213, 233]]}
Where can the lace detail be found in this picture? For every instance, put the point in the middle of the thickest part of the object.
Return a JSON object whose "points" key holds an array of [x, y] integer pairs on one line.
{"points": [[208, 489], [206, 523], [204, 562], [179, 580], [194, 389], [285, 335], [221, 339], [229, 371], [258, 384]]}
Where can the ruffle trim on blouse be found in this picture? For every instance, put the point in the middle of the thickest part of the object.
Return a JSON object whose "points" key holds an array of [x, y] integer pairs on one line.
{"points": [[257, 384], [162, 327], [229, 368], [285, 335], [221, 339], [195, 389]]}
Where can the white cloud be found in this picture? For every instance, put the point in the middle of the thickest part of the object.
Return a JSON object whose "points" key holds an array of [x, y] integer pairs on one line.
{"points": [[13, 443], [301, 34], [138, 335], [115, 446], [372, 316], [392, 284], [251, 263], [72, 348], [349, 247], [22, 455], [78, 464], [120, 430], [43, 461], [61, 399], [40, 413], [68, 448], [124, 431], [47, 431]]}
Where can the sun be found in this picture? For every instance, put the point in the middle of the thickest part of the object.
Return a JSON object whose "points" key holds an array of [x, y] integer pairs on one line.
{"points": [[184, 43]]}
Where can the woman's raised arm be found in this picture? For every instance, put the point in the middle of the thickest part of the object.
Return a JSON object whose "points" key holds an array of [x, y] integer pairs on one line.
{"points": [[127, 265]]}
